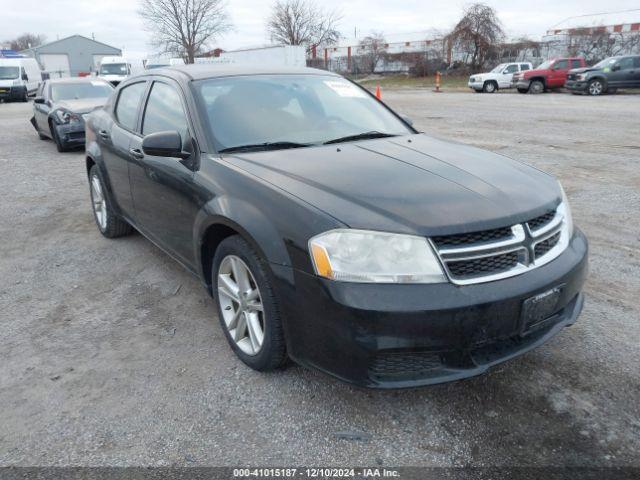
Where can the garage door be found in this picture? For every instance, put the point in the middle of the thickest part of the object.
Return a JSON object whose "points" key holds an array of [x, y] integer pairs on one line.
{"points": [[56, 64]]}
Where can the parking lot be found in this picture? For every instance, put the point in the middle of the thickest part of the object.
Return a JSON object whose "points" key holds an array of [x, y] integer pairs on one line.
{"points": [[112, 353]]}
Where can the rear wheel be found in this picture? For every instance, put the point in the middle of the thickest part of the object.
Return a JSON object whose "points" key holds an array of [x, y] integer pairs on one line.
{"points": [[595, 87], [108, 223], [490, 87], [536, 87], [247, 306]]}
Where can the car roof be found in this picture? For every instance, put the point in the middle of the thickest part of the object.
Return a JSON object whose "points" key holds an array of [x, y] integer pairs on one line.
{"points": [[204, 71], [76, 80]]}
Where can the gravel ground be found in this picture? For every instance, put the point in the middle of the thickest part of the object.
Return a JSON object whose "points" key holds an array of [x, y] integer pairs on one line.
{"points": [[112, 354]]}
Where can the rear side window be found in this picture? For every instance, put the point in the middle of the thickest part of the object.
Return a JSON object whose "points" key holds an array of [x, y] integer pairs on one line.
{"points": [[575, 64], [128, 102], [164, 111], [511, 69], [524, 67]]}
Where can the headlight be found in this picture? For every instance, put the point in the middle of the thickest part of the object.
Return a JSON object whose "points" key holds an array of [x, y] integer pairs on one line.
{"points": [[581, 76], [565, 210], [67, 117], [374, 257]]}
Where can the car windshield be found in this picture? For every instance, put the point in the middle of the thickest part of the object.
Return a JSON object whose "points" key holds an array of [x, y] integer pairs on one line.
{"points": [[285, 111], [9, 73], [544, 65], [114, 69], [73, 91], [607, 62], [499, 68]]}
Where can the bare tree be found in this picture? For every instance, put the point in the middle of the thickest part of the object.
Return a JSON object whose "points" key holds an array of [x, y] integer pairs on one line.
{"points": [[478, 34], [184, 27], [595, 44], [302, 22], [26, 40], [371, 50]]}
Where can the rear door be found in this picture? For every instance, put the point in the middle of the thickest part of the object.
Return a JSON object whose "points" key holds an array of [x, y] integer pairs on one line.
{"points": [[635, 74], [163, 189], [115, 139]]}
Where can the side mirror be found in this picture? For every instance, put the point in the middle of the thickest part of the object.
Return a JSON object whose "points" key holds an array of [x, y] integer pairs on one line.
{"points": [[39, 100], [25, 77], [164, 144], [615, 68]]}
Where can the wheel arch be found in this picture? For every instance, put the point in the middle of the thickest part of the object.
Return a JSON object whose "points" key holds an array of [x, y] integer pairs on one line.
{"points": [[224, 217]]}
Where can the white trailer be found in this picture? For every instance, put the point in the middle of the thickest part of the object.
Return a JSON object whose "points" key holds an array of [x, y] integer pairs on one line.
{"points": [[281, 55]]}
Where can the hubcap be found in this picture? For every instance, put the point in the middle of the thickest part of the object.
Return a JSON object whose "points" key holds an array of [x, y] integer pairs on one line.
{"points": [[241, 304], [99, 203], [595, 88]]}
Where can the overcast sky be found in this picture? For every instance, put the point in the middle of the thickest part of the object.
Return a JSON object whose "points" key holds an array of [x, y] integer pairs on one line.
{"points": [[116, 22]]}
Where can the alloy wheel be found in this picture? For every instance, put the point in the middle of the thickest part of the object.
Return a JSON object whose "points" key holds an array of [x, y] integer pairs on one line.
{"points": [[241, 304], [99, 203], [595, 88]]}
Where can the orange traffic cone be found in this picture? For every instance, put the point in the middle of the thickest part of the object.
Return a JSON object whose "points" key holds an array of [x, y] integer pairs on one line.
{"points": [[378, 92]]}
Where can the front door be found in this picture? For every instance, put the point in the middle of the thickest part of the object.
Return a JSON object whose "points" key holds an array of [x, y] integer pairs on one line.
{"points": [[621, 74], [558, 73], [115, 140], [162, 187], [504, 80]]}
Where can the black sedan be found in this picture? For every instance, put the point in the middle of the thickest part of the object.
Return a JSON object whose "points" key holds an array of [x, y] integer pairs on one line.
{"points": [[331, 232], [61, 105]]}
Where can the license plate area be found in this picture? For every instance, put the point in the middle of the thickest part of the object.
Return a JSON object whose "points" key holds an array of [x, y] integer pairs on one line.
{"points": [[538, 309]]}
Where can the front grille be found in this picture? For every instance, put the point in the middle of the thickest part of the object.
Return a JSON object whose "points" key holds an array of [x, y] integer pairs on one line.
{"points": [[541, 221], [501, 252], [480, 266], [543, 247], [485, 236], [387, 365]]}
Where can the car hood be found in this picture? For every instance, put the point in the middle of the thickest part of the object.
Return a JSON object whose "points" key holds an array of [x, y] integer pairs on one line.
{"points": [[410, 184], [583, 70], [82, 105]]}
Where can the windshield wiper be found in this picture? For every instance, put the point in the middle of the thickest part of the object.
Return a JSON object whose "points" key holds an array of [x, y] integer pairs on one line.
{"points": [[360, 136], [264, 146]]}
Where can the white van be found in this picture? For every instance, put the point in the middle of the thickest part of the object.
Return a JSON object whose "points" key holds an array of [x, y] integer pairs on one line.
{"points": [[114, 69], [19, 78]]}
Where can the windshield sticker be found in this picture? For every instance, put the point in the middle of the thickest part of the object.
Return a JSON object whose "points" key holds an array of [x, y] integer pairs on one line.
{"points": [[345, 89]]}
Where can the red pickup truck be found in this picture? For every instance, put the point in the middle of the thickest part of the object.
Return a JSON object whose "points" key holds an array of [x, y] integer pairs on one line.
{"points": [[551, 74]]}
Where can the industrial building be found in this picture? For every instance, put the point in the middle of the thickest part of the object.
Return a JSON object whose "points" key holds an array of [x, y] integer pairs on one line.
{"points": [[71, 56]]}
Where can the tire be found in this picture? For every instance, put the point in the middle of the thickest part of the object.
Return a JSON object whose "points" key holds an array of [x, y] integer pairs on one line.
{"points": [[56, 138], [25, 96], [596, 87], [258, 336], [536, 86], [523, 90], [490, 87], [109, 225], [41, 136]]}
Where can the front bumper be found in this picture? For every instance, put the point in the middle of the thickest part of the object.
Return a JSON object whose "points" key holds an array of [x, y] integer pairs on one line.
{"points": [[521, 84], [12, 93], [476, 85], [71, 134], [576, 85], [394, 336]]}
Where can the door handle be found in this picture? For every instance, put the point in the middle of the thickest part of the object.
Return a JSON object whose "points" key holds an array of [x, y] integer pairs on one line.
{"points": [[104, 134], [136, 153]]}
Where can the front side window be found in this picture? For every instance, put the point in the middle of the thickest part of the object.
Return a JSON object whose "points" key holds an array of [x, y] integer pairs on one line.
{"points": [[128, 102], [301, 109], [9, 73], [575, 64], [511, 69], [626, 63], [78, 90], [164, 111]]}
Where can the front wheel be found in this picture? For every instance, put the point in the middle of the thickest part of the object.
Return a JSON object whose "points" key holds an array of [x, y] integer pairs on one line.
{"points": [[490, 87], [523, 90], [248, 309], [60, 145], [536, 87], [595, 87], [108, 223]]}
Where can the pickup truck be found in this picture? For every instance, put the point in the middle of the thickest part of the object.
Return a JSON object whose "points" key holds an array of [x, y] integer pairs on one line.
{"points": [[498, 78], [551, 74]]}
